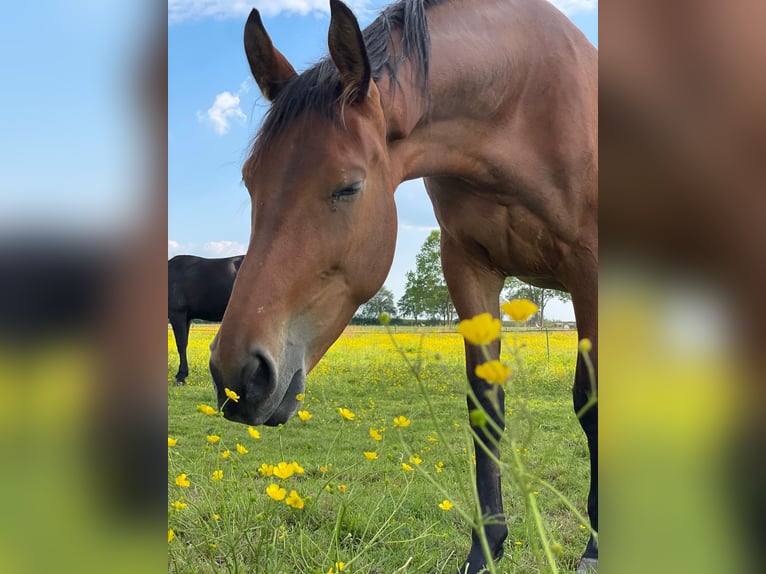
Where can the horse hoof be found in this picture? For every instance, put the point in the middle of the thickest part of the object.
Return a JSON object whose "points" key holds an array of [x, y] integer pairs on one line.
{"points": [[180, 383], [588, 565]]}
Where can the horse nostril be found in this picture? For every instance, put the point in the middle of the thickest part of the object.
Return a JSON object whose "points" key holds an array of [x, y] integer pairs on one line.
{"points": [[260, 378]]}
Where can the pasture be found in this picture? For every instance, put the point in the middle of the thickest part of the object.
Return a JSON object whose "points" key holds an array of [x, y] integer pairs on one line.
{"points": [[368, 494]]}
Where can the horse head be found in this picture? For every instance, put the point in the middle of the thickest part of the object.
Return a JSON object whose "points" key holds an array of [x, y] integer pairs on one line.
{"points": [[323, 221]]}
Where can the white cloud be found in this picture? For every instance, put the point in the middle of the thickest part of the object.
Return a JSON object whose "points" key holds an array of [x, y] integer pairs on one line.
{"points": [[411, 227], [225, 107], [570, 7], [175, 248], [223, 248], [183, 10]]}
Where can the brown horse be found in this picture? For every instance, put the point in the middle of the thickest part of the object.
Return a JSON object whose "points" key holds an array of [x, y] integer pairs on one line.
{"points": [[494, 103]]}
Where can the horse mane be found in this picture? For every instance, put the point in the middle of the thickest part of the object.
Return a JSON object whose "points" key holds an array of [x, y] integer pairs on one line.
{"points": [[319, 88]]}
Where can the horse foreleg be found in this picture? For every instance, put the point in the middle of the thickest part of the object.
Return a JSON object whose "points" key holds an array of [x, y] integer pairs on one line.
{"points": [[475, 289], [584, 394], [180, 326], [491, 400]]}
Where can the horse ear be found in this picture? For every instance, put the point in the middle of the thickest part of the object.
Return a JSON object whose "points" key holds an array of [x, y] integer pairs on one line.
{"points": [[348, 52], [270, 68]]}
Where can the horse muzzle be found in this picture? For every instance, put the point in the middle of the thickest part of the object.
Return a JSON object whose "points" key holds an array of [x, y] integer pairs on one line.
{"points": [[267, 391]]}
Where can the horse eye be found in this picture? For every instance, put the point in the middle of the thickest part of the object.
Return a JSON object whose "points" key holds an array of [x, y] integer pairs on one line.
{"points": [[348, 191]]}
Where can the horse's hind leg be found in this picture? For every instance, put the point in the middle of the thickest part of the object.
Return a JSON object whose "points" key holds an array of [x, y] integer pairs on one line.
{"points": [[180, 325], [585, 301], [474, 290]]}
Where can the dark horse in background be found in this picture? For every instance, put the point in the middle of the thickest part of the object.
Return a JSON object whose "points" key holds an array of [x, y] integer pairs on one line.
{"points": [[495, 104], [198, 288]]}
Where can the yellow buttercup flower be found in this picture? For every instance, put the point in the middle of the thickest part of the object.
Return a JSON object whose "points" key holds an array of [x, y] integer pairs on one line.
{"points": [[493, 372], [304, 415], [406, 467], [178, 505], [241, 449], [182, 481], [370, 455], [253, 433], [323, 469], [206, 409], [346, 414], [171, 534], [266, 469], [402, 422], [212, 438], [172, 442], [217, 475], [342, 487], [375, 435], [415, 459], [226, 453], [298, 469], [231, 394], [300, 396], [519, 309], [445, 505], [294, 500], [276, 492], [284, 470], [480, 330]]}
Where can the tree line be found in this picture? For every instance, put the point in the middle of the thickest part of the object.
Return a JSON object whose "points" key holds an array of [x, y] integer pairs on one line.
{"points": [[426, 299]]}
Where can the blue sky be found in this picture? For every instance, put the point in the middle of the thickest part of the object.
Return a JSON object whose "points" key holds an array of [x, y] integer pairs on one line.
{"points": [[214, 108]]}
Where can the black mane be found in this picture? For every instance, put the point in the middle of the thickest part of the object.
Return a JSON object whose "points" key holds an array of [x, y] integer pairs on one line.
{"points": [[319, 89]]}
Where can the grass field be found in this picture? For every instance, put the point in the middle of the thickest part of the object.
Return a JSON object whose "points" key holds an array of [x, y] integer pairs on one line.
{"points": [[373, 515]]}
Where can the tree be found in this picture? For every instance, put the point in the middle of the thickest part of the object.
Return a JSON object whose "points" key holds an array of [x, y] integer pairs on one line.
{"points": [[517, 289], [381, 302], [426, 291]]}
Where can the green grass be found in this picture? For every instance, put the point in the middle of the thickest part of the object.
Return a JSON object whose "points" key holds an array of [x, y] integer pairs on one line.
{"points": [[387, 520]]}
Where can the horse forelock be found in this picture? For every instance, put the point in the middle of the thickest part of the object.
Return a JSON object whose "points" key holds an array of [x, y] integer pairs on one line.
{"points": [[319, 88]]}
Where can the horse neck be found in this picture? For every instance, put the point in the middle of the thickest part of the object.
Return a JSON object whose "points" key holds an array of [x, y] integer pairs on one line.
{"points": [[442, 135]]}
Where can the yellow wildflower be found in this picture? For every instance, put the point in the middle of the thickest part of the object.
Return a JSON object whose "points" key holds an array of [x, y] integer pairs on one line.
{"points": [[493, 372], [253, 433], [241, 449], [178, 505], [212, 438], [406, 467], [171, 534], [294, 500], [445, 505], [172, 442], [375, 434], [266, 469], [216, 517], [300, 396], [480, 330], [342, 487], [346, 414], [298, 469], [323, 469], [519, 543], [402, 422], [276, 492], [182, 481], [206, 409], [370, 455], [304, 415], [415, 459], [341, 566], [519, 309], [284, 470], [217, 475], [226, 453], [231, 394], [439, 466]]}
